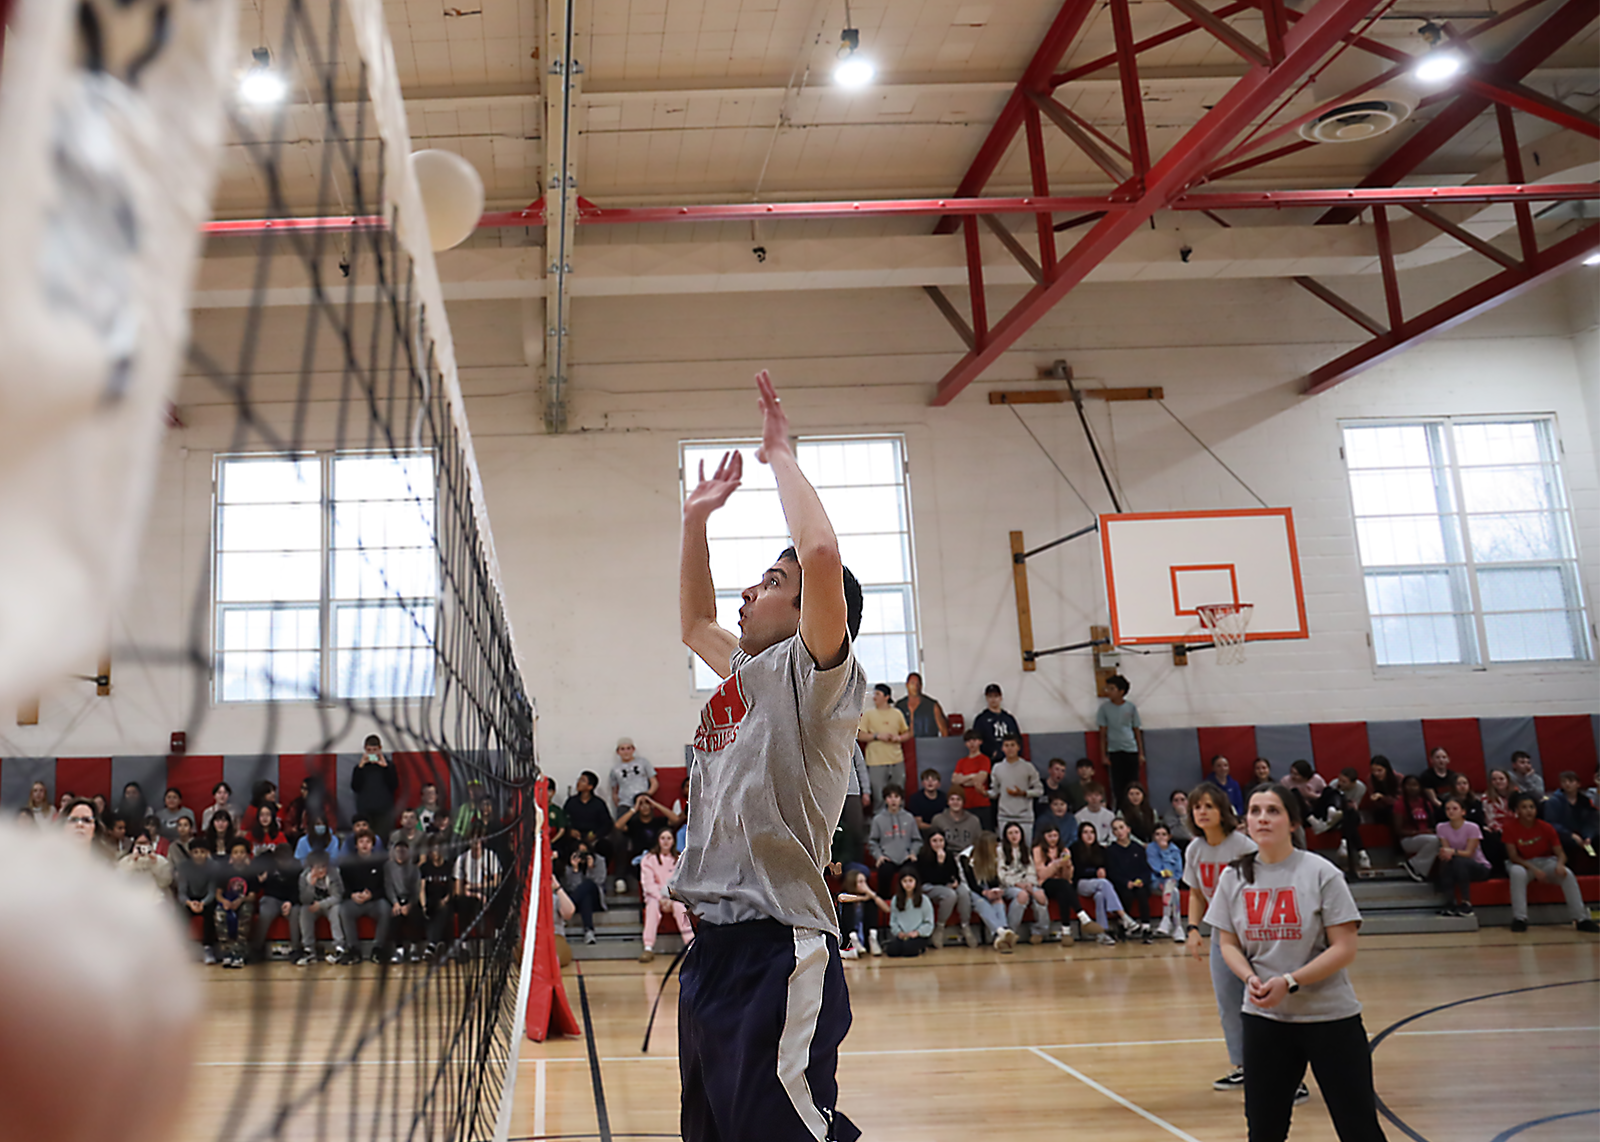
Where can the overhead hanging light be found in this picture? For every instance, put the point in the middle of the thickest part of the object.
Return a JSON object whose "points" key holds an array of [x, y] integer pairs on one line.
{"points": [[1437, 65], [1593, 259], [261, 85], [853, 68]]}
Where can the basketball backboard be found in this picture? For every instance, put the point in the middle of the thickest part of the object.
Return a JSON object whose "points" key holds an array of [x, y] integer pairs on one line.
{"points": [[1160, 566]]}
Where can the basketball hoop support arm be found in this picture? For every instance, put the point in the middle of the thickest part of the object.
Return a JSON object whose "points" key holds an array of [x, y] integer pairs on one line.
{"points": [[1019, 582]]}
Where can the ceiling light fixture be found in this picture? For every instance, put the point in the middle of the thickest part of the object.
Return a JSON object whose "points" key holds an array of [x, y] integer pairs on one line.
{"points": [[261, 85], [1438, 64], [1593, 259], [853, 69]]}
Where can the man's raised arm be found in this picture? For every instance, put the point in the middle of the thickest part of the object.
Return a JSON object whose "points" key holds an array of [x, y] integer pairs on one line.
{"points": [[697, 595], [823, 612]]}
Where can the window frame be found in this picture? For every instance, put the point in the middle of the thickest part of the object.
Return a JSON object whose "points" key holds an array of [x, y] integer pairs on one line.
{"points": [[327, 606], [1456, 524]]}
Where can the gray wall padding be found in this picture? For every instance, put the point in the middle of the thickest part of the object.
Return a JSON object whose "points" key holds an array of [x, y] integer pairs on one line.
{"points": [[1283, 744], [1172, 761], [941, 754], [1401, 743], [17, 775], [1068, 746], [1501, 736]]}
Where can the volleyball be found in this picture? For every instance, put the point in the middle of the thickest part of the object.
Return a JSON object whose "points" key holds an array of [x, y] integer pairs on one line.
{"points": [[452, 196]]}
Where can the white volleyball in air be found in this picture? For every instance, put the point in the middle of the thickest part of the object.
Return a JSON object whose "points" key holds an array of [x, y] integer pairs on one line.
{"points": [[452, 196]]}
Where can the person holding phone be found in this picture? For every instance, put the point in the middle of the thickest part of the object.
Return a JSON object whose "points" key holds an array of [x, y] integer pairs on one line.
{"points": [[375, 784]]}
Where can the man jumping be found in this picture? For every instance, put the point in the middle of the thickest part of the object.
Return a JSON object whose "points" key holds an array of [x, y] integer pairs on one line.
{"points": [[762, 1004]]}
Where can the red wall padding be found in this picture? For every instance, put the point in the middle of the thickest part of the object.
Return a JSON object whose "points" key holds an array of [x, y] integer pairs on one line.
{"points": [[194, 777], [1335, 745], [83, 776], [293, 768], [1236, 743], [1464, 741], [1566, 741]]}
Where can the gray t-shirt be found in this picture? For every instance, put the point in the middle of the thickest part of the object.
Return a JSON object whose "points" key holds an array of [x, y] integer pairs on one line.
{"points": [[766, 787], [1281, 921], [629, 779], [1119, 722], [1203, 862]]}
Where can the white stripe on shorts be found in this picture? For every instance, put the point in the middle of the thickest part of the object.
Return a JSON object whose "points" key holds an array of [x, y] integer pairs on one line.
{"points": [[800, 1026]]}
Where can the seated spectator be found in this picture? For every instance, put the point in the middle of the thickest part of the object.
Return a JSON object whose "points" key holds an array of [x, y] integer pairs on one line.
{"points": [[439, 897], [1089, 866], [221, 802], [264, 834], [1260, 775], [893, 839], [362, 872], [171, 812], [134, 807], [1220, 767], [277, 893], [631, 775], [292, 817], [195, 882], [588, 819], [1055, 783], [402, 888], [234, 905], [1021, 884], [1496, 812], [972, 778], [1525, 777], [1346, 795], [466, 816], [1052, 868], [321, 893], [178, 848], [1383, 792], [319, 838], [38, 806], [116, 839], [980, 869], [477, 875], [409, 830], [1572, 812], [1129, 873], [1137, 812], [853, 898], [1461, 859], [1416, 822], [910, 918], [958, 826], [264, 792], [431, 814], [923, 714], [1177, 820], [1075, 787], [1461, 790], [1305, 781], [219, 829], [1014, 784], [927, 802], [143, 861], [1095, 813], [583, 876], [1058, 817], [1165, 859], [1438, 779], [942, 884], [1533, 851], [62, 803], [655, 873]]}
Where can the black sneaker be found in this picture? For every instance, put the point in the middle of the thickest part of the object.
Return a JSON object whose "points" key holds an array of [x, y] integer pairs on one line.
{"points": [[1452, 912], [1586, 926], [1519, 925], [304, 959], [1302, 1096], [1233, 1080]]}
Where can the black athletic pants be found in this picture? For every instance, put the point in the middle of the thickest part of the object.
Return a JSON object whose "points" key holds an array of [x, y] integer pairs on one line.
{"points": [[1275, 1058], [1124, 772], [1460, 872], [762, 1009]]}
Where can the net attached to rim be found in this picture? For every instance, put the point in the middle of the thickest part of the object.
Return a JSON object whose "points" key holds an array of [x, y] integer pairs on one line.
{"points": [[1228, 623], [341, 579]]}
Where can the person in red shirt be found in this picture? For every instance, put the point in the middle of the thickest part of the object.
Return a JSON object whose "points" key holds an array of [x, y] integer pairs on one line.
{"points": [[972, 779], [1533, 849]]}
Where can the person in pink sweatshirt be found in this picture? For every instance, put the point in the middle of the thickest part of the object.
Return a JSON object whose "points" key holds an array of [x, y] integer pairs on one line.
{"points": [[655, 873]]}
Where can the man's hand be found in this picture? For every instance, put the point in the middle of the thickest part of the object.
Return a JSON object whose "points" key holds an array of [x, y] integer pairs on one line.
{"points": [[709, 495], [1539, 874], [284, 909], [774, 421]]}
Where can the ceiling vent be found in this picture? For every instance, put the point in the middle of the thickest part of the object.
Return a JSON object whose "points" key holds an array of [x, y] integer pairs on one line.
{"points": [[1358, 120]]}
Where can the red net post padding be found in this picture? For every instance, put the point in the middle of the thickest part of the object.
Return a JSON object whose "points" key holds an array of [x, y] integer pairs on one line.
{"points": [[548, 1010]]}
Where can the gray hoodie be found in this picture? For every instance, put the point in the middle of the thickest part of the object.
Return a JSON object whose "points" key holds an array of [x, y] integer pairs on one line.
{"points": [[328, 893], [894, 835], [402, 883]]}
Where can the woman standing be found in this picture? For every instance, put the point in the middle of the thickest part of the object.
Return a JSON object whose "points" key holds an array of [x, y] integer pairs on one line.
{"points": [[1288, 926]]}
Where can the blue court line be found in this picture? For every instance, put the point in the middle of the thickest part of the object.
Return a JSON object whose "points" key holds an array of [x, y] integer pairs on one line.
{"points": [[1515, 1130], [1372, 1048]]}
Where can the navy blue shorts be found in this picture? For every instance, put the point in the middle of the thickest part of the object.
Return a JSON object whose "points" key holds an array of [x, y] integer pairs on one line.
{"points": [[762, 1009]]}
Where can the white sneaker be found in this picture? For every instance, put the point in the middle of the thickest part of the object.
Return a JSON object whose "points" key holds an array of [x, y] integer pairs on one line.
{"points": [[622, 886], [1344, 849], [848, 953], [589, 936], [1107, 939], [1179, 936], [872, 943], [1165, 927], [1364, 860]]}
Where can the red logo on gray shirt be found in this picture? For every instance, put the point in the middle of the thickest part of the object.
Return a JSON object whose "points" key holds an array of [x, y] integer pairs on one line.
{"points": [[719, 721], [1271, 914]]}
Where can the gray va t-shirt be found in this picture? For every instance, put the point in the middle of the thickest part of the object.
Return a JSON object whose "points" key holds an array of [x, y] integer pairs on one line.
{"points": [[1203, 862], [1281, 921], [767, 786], [1119, 722]]}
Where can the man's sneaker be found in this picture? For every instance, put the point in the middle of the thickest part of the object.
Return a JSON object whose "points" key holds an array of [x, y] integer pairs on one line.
{"points": [[1106, 938], [1465, 910], [622, 886], [1302, 1096], [589, 937], [337, 955], [377, 955], [1087, 926], [351, 957], [282, 951], [1165, 927], [416, 953], [1405, 867], [1364, 859], [969, 936], [210, 956], [304, 959], [1586, 926], [235, 962], [1519, 925], [872, 942], [1233, 1080], [849, 953], [398, 956], [1179, 936], [1451, 911], [647, 955], [1319, 825], [1146, 937]]}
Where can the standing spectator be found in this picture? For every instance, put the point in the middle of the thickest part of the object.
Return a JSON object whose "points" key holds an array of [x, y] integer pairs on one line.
{"points": [[1415, 822], [1052, 866], [910, 918], [893, 840], [362, 873], [942, 884], [221, 802], [655, 874], [1220, 777], [631, 775], [195, 882], [1165, 859], [980, 868], [972, 779], [264, 834], [923, 714], [1057, 817], [1177, 819], [1572, 812], [927, 802], [1217, 843], [1496, 812], [321, 892], [1526, 778], [1137, 812], [994, 722], [375, 783], [1288, 929], [850, 837], [439, 895], [1438, 779], [1121, 737], [1130, 876], [1075, 787], [477, 875], [402, 888], [171, 812], [235, 905], [1055, 782], [1014, 782], [1021, 883], [1461, 859], [883, 728], [431, 815], [278, 891], [1095, 813], [1533, 850], [38, 806], [588, 820], [959, 827], [1089, 865]]}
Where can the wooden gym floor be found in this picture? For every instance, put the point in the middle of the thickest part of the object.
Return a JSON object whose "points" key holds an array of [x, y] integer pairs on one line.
{"points": [[1111, 1044]]}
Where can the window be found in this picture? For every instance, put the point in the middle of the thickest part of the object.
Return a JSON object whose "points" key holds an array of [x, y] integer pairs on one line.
{"points": [[1466, 542], [862, 483], [310, 586]]}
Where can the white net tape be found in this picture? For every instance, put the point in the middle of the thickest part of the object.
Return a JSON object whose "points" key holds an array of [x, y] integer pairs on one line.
{"points": [[1227, 623]]}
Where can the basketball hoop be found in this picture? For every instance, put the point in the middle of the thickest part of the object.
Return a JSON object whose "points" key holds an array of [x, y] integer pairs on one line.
{"points": [[1227, 623]]}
